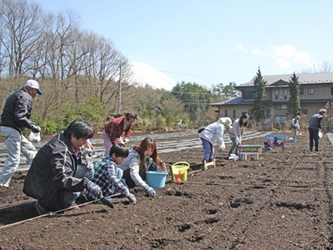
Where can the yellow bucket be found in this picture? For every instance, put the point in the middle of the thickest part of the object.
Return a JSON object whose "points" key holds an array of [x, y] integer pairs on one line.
{"points": [[180, 167]]}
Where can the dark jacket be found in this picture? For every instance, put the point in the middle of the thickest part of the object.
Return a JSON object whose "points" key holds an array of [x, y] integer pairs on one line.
{"points": [[51, 174], [17, 110], [315, 121]]}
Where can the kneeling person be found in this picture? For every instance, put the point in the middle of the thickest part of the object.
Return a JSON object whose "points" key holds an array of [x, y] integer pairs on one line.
{"points": [[108, 176], [53, 177]]}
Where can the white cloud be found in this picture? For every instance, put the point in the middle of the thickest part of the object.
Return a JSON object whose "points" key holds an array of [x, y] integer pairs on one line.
{"points": [[287, 56], [240, 48], [143, 73], [284, 63]]}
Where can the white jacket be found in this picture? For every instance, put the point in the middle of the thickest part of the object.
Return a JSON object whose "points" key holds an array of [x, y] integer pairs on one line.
{"points": [[132, 162], [214, 133]]}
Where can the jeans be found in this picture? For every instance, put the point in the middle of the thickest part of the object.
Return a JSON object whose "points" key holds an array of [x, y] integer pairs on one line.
{"points": [[81, 171], [208, 150], [16, 144]]}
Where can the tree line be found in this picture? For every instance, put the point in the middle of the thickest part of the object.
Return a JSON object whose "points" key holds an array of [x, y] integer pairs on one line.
{"points": [[82, 74]]}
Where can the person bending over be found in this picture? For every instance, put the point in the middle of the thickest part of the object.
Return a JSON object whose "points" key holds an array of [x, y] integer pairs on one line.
{"points": [[135, 165]]}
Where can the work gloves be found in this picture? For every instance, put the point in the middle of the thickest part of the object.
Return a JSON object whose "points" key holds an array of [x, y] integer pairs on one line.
{"points": [[222, 147], [131, 198], [237, 141], [126, 140], [150, 191], [94, 190]]}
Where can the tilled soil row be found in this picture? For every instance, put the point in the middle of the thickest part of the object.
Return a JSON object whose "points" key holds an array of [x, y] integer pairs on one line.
{"points": [[281, 201]]}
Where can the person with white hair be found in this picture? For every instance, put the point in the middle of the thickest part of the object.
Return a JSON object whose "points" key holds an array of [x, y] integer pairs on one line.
{"points": [[14, 118], [315, 127], [295, 126], [214, 133]]}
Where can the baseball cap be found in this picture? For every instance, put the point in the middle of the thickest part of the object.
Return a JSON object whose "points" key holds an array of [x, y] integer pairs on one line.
{"points": [[33, 84]]}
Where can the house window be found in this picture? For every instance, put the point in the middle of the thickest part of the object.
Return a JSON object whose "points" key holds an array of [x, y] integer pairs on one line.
{"points": [[248, 94], [268, 113], [281, 118], [305, 111], [280, 106], [331, 91], [280, 94], [285, 94], [234, 113], [301, 91], [276, 95], [226, 113], [310, 91]]}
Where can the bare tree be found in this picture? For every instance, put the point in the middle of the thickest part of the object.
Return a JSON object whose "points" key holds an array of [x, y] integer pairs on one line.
{"points": [[105, 68], [20, 32], [325, 66]]}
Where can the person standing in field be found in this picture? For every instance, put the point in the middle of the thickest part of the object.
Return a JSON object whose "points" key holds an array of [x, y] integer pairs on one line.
{"points": [[314, 129], [115, 128], [295, 126], [15, 118]]}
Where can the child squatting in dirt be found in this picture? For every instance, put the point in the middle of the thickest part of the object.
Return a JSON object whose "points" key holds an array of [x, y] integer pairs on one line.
{"points": [[108, 176]]}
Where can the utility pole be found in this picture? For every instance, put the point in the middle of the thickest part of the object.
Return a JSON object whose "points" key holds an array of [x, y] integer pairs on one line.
{"points": [[119, 88]]}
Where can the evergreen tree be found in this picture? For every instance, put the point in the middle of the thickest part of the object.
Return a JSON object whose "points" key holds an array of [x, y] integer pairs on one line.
{"points": [[258, 109], [294, 103], [196, 99]]}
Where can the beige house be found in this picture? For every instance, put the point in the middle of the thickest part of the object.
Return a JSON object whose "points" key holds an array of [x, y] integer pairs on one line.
{"points": [[316, 89]]}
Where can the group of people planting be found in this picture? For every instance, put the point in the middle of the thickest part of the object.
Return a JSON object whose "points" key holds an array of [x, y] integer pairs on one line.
{"points": [[60, 173], [58, 176]]}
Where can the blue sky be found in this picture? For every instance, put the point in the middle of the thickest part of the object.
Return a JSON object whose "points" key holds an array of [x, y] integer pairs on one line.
{"points": [[210, 41]]}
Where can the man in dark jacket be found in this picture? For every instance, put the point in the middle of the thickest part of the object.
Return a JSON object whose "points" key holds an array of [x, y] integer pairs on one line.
{"points": [[52, 178], [314, 128], [14, 118]]}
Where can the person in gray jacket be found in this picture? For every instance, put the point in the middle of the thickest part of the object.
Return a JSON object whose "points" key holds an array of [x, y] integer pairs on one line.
{"points": [[15, 118], [314, 128], [54, 178], [237, 131]]}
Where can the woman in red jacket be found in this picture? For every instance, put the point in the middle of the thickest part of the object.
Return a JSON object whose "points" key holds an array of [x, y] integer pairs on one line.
{"points": [[115, 128]]}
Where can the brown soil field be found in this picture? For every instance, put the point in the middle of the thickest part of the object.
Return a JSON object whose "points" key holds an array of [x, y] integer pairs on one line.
{"points": [[283, 200]]}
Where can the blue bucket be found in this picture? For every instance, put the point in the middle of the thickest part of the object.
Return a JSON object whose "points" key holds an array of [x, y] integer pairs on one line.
{"points": [[293, 140], [156, 179]]}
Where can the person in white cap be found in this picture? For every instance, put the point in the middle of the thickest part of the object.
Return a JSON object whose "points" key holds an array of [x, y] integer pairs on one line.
{"points": [[14, 118], [211, 133]]}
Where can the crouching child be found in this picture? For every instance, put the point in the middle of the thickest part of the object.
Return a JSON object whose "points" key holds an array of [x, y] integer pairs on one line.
{"points": [[108, 176]]}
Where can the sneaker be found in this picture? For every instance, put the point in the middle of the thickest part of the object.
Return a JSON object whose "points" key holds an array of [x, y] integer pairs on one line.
{"points": [[4, 185], [40, 209]]}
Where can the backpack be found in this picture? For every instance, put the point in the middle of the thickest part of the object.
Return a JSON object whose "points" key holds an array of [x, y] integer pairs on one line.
{"points": [[200, 129]]}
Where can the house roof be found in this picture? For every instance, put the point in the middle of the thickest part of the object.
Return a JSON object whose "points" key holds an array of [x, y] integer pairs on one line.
{"points": [[232, 101], [306, 78]]}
